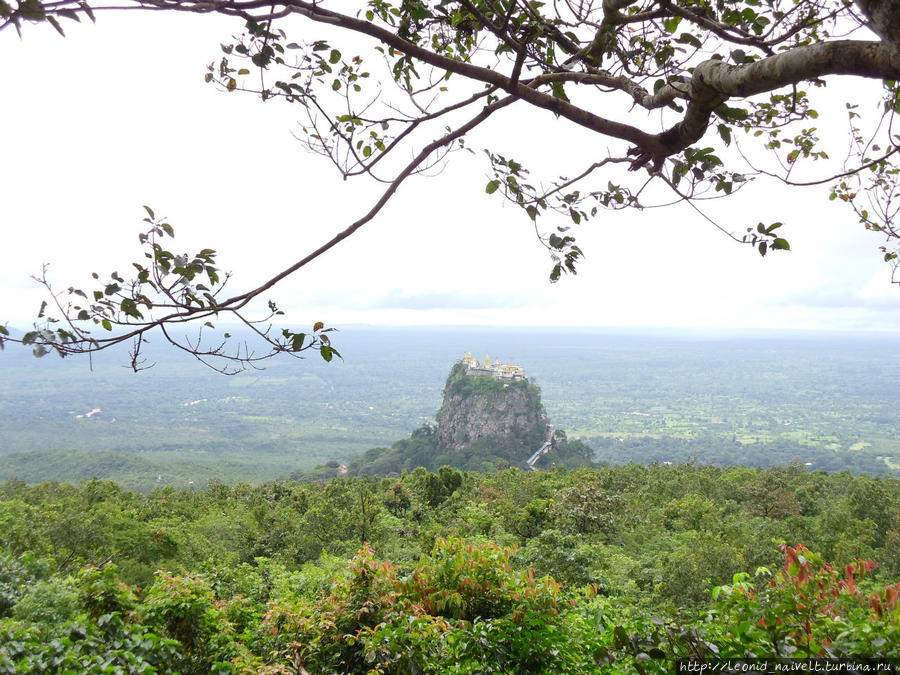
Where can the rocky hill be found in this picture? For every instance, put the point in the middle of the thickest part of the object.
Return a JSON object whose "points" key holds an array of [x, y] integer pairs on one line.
{"points": [[487, 411], [484, 423]]}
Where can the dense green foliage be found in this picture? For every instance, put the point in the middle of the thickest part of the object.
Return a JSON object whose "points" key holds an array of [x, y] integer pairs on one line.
{"points": [[423, 449], [511, 571]]}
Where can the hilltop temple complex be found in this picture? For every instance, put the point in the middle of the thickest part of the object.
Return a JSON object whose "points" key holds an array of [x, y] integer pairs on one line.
{"points": [[500, 371]]}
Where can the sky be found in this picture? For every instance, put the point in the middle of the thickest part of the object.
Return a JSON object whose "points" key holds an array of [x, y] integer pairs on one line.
{"points": [[117, 115]]}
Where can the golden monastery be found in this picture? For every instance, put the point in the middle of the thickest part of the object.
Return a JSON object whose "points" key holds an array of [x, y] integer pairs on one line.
{"points": [[502, 371]]}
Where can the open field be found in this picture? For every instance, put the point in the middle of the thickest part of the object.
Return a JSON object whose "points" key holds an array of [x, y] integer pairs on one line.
{"points": [[830, 401]]}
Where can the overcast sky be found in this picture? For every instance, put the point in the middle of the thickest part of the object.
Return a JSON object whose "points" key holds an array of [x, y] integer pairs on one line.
{"points": [[117, 115]]}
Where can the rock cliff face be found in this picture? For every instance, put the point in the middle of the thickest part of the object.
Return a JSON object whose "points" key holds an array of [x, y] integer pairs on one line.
{"points": [[507, 415], [483, 424]]}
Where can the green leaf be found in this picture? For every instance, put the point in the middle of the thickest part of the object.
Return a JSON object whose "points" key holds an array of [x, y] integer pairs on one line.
{"points": [[32, 10], [687, 38], [55, 23], [671, 24], [130, 308], [620, 637], [326, 352], [88, 11], [781, 244], [559, 91], [492, 186], [725, 133], [334, 56], [149, 211], [727, 113], [106, 324]]}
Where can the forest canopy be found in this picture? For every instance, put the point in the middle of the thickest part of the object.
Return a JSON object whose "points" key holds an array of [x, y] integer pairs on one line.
{"points": [[617, 570]]}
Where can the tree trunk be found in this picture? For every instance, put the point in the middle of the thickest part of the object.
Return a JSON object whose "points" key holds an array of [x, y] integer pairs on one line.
{"points": [[883, 19]]}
